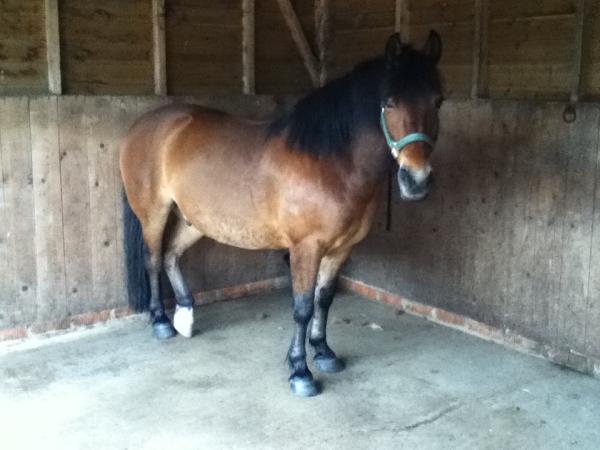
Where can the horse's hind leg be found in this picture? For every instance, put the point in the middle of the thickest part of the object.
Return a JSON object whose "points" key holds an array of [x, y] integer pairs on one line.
{"points": [[325, 358], [153, 226], [181, 237]]}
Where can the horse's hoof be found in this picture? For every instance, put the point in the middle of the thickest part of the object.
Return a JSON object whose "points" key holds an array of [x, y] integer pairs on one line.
{"points": [[163, 330], [183, 320], [304, 387], [329, 365]]}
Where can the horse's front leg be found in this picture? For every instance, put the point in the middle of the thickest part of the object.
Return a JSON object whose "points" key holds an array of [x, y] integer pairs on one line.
{"points": [[304, 260], [325, 358]]}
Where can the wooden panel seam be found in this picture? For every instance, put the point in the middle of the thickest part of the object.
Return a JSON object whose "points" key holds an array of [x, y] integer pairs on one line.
{"points": [[158, 47], [53, 47]]}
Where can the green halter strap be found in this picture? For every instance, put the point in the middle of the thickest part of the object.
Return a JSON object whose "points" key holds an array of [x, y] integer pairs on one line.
{"points": [[397, 146]]}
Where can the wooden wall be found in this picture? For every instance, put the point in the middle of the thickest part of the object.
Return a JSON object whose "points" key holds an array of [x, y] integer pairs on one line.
{"points": [[203, 46], [279, 67], [106, 47], [454, 20], [516, 49], [361, 28], [22, 47], [532, 48], [60, 202], [510, 234]]}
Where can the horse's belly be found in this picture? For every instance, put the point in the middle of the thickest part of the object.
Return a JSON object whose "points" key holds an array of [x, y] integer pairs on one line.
{"points": [[241, 233]]}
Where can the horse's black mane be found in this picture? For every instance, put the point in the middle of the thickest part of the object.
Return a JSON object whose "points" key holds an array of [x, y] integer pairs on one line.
{"points": [[326, 120]]}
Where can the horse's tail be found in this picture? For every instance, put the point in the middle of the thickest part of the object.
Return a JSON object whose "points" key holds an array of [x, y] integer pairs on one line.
{"points": [[138, 287]]}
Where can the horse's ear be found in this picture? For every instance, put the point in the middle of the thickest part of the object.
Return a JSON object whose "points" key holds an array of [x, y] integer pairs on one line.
{"points": [[433, 46], [393, 47]]}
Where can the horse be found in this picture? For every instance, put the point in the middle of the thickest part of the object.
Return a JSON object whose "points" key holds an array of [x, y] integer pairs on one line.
{"points": [[307, 181]]}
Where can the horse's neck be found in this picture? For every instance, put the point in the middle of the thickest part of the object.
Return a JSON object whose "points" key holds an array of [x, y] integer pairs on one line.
{"points": [[370, 158]]}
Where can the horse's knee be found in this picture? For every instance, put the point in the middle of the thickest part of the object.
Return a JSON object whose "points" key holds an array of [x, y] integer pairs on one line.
{"points": [[170, 260], [325, 295], [153, 261], [303, 308]]}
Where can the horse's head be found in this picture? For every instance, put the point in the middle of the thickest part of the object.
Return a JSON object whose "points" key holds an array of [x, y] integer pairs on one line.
{"points": [[411, 95]]}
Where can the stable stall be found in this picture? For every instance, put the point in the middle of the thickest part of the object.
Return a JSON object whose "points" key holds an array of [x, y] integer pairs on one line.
{"points": [[506, 247]]}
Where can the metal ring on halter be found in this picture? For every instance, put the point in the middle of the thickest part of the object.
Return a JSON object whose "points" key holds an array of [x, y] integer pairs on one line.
{"points": [[397, 146]]}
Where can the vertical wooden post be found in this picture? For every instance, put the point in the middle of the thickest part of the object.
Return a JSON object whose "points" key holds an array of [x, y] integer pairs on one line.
{"points": [[479, 86], [158, 47], [248, 45], [310, 61], [323, 32], [402, 20], [582, 41], [53, 47]]}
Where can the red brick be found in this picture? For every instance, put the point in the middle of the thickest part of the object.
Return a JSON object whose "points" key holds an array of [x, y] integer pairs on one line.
{"points": [[391, 299], [8, 334], [53, 325], [483, 330], [90, 318], [422, 310], [122, 312], [449, 318]]}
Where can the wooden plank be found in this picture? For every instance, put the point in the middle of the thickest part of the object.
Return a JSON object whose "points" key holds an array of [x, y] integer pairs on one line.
{"points": [[537, 187], [49, 243], [310, 61], [532, 57], [100, 146], [248, 43], [53, 47], [23, 67], [204, 52], [402, 19], [582, 31], [76, 204], [158, 47], [433, 12], [323, 31], [106, 48], [480, 193], [18, 195], [480, 49], [511, 9], [592, 330], [7, 295], [581, 155], [523, 277]]}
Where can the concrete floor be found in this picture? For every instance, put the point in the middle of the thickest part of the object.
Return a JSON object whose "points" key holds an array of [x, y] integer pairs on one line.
{"points": [[409, 384]]}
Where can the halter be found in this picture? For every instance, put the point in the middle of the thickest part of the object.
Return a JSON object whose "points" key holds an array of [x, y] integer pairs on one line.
{"points": [[397, 146]]}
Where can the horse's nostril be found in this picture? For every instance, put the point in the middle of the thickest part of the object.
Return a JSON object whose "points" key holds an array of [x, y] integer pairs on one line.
{"points": [[405, 177]]}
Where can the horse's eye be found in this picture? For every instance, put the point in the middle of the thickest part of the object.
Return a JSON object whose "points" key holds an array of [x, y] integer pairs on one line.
{"points": [[389, 103]]}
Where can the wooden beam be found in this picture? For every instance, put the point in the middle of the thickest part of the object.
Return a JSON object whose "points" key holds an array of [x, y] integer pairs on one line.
{"points": [[53, 47], [310, 61], [158, 47], [402, 20], [323, 31], [582, 41], [479, 86], [248, 45]]}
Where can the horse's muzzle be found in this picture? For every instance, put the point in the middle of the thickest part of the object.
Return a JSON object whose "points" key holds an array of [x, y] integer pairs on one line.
{"points": [[413, 186]]}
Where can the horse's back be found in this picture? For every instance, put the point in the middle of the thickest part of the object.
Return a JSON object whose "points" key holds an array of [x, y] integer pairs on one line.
{"points": [[157, 144]]}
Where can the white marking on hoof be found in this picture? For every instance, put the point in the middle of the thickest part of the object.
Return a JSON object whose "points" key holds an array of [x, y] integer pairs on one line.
{"points": [[183, 320]]}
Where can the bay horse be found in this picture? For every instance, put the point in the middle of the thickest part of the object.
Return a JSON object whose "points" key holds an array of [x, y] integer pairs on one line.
{"points": [[308, 181]]}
